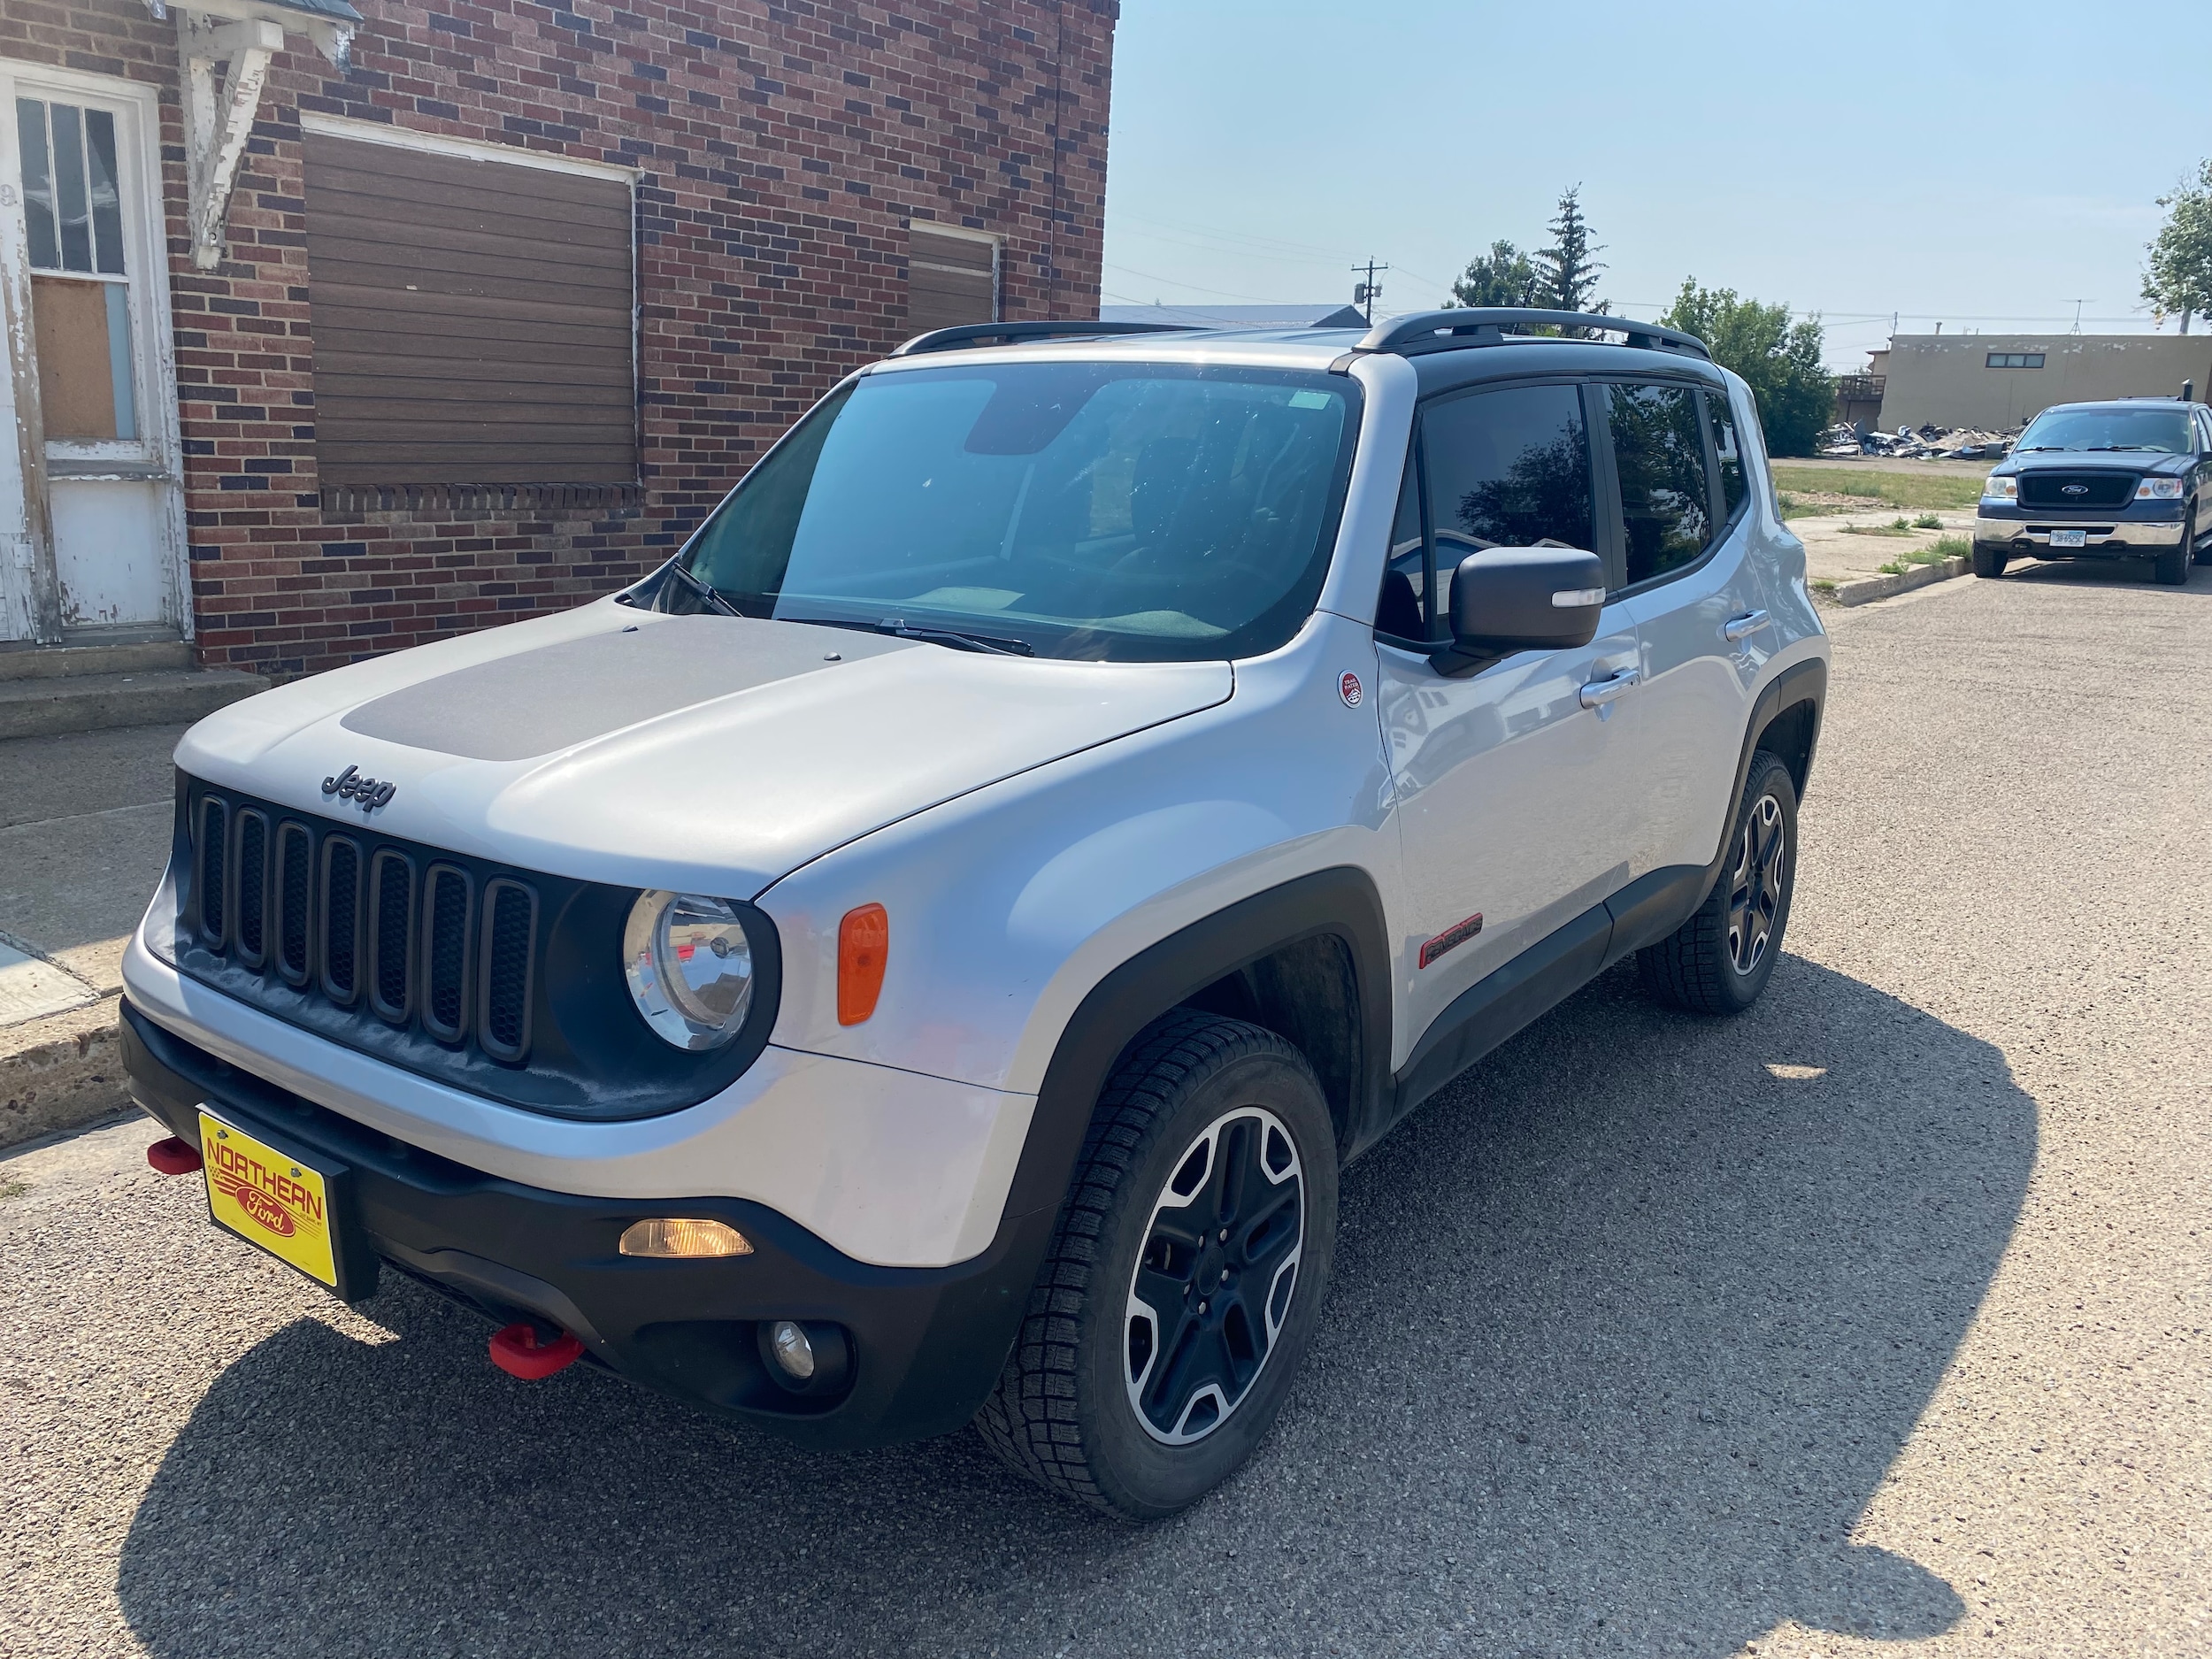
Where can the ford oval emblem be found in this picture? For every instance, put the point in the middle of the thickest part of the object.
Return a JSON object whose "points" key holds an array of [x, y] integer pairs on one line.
{"points": [[267, 1211], [2073, 489]]}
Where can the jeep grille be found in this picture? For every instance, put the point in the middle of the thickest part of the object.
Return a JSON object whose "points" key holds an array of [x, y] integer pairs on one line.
{"points": [[441, 946]]}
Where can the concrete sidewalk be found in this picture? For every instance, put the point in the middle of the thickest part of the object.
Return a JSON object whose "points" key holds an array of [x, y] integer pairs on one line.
{"points": [[84, 832]]}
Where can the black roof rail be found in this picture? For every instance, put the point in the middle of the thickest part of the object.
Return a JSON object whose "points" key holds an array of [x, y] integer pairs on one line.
{"points": [[1487, 325], [1021, 334]]}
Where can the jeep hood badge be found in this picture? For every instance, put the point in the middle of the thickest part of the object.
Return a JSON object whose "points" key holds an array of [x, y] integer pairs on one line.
{"points": [[366, 793]]}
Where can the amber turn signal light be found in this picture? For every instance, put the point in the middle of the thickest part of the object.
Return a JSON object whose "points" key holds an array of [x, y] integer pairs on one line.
{"points": [[682, 1236], [864, 940]]}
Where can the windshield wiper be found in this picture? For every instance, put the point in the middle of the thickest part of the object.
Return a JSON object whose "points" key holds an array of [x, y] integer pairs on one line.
{"points": [[2107, 449], [959, 641], [897, 628], [706, 590]]}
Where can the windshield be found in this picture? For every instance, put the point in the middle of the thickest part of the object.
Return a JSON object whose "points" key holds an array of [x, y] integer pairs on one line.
{"points": [[2153, 429], [1108, 511]]}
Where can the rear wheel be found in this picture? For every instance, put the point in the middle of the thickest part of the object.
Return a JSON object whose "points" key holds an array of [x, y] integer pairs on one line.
{"points": [[1719, 960], [1988, 561], [1184, 1277]]}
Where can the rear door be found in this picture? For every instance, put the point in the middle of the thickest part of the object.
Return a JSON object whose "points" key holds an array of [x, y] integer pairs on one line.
{"points": [[1677, 483], [1507, 780]]}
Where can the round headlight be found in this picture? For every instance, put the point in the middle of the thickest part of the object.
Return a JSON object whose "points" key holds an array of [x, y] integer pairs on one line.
{"points": [[690, 967]]}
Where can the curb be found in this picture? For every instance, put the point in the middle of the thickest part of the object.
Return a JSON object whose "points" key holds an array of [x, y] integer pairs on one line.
{"points": [[61, 1072], [1873, 587]]}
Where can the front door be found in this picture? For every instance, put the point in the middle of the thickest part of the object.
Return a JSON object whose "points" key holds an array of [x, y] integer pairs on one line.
{"points": [[91, 512], [1508, 781]]}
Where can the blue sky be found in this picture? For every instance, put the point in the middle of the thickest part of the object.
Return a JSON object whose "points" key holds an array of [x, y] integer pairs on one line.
{"points": [[1971, 164]]}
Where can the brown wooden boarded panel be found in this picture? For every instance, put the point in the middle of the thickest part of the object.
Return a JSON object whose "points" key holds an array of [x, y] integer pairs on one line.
{"points": [[949, 280], [472, 320]]}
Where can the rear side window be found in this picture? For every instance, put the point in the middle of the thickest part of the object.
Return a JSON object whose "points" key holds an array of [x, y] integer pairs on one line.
{"points": [[1727, 454], [1666, 499]]}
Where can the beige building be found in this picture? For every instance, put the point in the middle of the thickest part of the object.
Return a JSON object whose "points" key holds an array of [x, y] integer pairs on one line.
{"points": [[1998, 381]]}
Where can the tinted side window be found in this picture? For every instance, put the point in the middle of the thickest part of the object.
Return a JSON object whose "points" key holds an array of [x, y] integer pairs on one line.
{"points": [[1398, 610], [1659, 452], [1728, 453], [1509, 468]]}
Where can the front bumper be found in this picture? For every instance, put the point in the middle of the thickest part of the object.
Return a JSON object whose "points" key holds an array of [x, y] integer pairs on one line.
{"points": [[928, 1342], [2120, 532]]}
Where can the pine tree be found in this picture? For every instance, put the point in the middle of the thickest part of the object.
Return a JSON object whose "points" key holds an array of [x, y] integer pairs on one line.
{"points": [[1568, 270]]}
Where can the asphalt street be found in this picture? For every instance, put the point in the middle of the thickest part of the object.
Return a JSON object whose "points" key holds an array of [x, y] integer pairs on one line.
{"points": [[1873, 1321]]}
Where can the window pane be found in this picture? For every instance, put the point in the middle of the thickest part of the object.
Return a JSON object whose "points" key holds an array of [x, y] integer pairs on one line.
{"points": [[70, 204], [119, 375], [1111, 511], [1732, 488], [1506, 469], [107, 199], [1405, 578], [1660, 454], [38, 184]]}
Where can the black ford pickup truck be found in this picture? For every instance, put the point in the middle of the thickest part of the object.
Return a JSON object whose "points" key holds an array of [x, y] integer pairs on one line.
{"points": [[2124, 479]]}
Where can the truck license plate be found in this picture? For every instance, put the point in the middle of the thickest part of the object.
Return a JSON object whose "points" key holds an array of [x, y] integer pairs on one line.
{"points": [[2069, 538]]}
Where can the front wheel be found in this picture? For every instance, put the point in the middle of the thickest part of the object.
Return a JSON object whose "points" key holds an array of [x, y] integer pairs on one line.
{"points": [[1719, 960], [1988, 561], [2171, 568], [1184, 1277]]}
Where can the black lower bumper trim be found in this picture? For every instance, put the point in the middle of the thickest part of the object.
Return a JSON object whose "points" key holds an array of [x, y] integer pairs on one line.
{"points": [[928, 1343]]}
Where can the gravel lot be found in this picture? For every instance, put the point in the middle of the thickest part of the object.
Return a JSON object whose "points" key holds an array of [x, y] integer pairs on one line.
{"points": [[1876, 1317]]}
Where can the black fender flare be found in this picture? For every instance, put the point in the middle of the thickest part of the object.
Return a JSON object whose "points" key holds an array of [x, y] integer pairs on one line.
{"points": [[1339, 903]]}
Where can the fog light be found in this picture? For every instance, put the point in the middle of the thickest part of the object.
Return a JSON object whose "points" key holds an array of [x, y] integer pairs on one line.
{"points": [[788, 1340], [669, 1235], [806, 1357]]}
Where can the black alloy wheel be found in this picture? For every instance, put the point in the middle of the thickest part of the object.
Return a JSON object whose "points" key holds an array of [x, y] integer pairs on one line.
{"points": [[1214, 1279], [1185, 1275], [1756, 886], [1719, 960]]}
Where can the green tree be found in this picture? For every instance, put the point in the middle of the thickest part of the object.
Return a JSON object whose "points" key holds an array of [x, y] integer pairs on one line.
{"points": [[2178, 276], [1504, 276], [1779, 360], [1568, 270]]}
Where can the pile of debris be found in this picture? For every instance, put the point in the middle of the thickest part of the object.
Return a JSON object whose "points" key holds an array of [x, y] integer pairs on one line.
{"points": [[1927, 443]]}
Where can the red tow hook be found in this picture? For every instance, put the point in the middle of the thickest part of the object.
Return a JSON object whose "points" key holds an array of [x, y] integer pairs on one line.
{"points": [[174, 1156], [518, 1351]]}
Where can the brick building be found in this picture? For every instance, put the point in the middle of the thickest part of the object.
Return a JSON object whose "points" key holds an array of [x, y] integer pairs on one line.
{"points": [[332, 332]]}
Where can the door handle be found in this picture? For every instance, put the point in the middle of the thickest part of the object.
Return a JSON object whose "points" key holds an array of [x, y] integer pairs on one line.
{"points": [[1743, 626], [1597, 693]]}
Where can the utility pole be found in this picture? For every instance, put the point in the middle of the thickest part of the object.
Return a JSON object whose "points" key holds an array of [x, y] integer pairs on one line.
{"points": [[1365, 294]]}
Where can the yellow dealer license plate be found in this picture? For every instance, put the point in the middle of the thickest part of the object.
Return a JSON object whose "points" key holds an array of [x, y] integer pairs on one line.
{"points": [[269, 1198]]}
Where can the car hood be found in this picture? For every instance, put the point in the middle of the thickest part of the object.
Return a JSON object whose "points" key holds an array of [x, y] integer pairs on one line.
{"points": [[711, 753], [2093, 461]]}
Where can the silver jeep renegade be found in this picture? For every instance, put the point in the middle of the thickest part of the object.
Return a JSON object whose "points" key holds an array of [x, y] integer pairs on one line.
{"points": [[926, 952]]}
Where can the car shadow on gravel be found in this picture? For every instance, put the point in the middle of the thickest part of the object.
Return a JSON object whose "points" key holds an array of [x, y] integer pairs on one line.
{"points": [[1626, 1330]]}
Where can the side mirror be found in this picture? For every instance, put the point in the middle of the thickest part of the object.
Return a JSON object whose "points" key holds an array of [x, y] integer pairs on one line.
{"points": [[1525, 599]]}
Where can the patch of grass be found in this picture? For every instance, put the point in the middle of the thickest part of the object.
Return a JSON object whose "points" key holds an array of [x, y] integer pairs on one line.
{"points": [[1823, 585], [1935, 553], [1895, 527], [1927, 521], [10, 1187], [1916, 491]]}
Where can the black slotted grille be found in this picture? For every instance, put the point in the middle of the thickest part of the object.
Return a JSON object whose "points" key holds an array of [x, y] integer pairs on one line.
{"points": [[214, 844], [341, 918], [511, 923], [295, 853], [348, 920], [391, 934], [251, 888], [448, 913]]}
